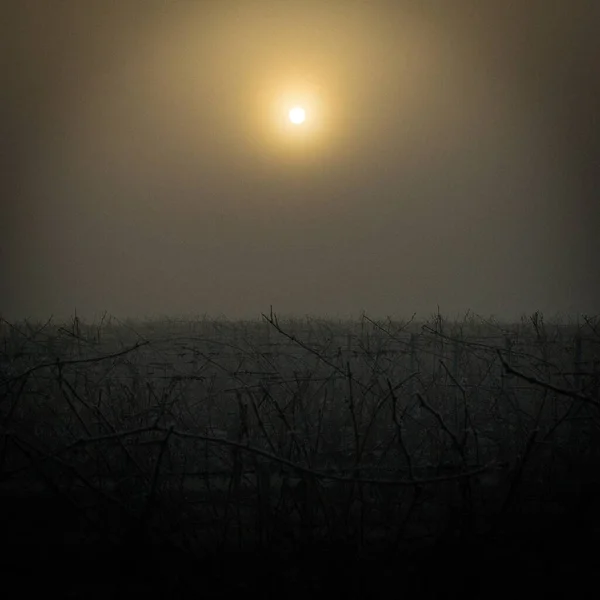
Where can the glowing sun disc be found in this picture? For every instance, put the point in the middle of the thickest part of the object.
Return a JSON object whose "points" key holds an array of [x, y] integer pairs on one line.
{"points": [[297, 115]]}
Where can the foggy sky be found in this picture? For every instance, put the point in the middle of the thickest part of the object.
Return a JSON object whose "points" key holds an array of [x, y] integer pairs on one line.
{"points": [[454, 158]]}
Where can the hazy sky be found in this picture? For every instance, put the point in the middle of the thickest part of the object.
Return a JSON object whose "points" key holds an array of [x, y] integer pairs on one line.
{"points": [[450, 155]]}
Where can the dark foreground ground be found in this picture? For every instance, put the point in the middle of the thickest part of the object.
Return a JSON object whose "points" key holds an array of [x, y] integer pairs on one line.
{"points": [[48, 549]]}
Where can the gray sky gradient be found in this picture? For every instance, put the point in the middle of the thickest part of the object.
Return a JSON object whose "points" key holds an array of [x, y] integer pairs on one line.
{"points": [[455, 160]]}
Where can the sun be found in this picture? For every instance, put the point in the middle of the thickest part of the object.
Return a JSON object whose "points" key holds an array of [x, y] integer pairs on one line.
{"points": [[297, 115], [294, 118]]}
